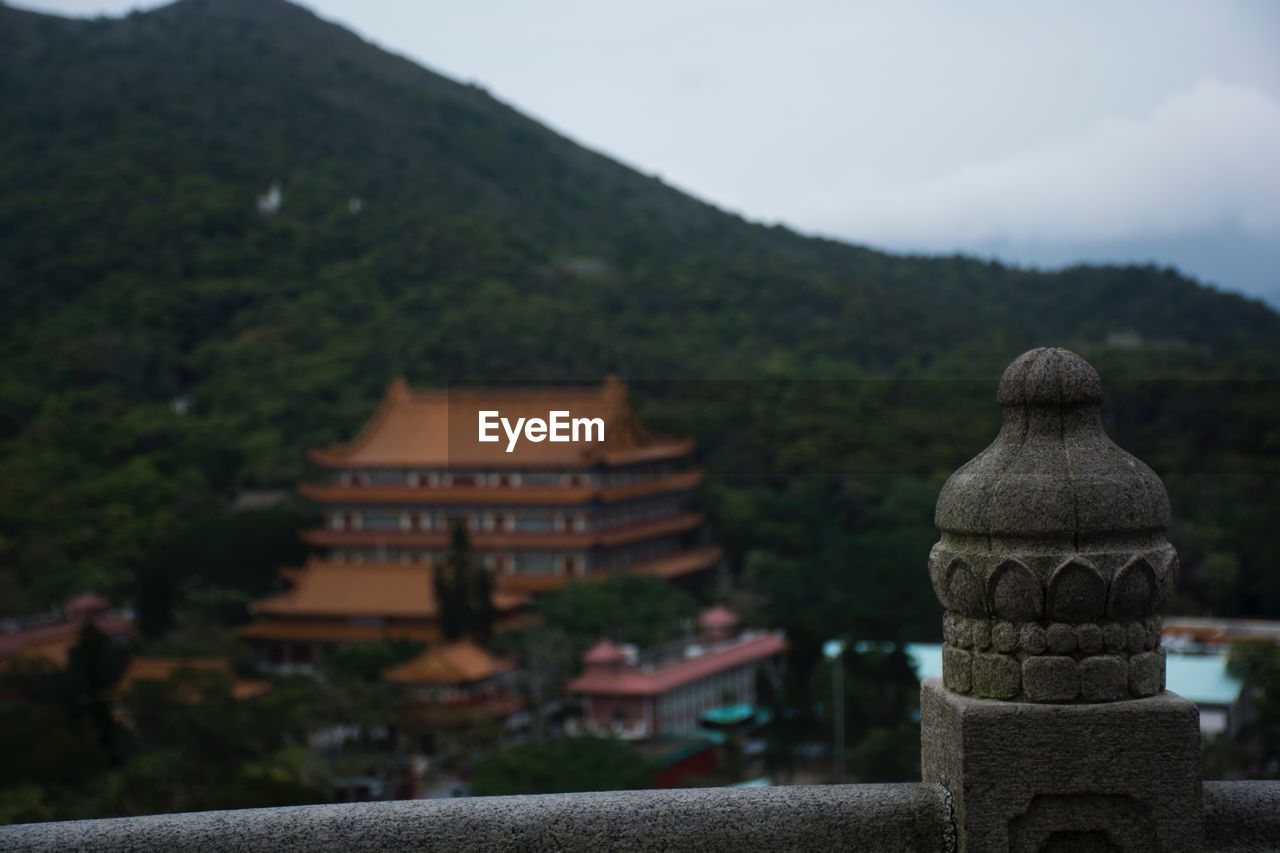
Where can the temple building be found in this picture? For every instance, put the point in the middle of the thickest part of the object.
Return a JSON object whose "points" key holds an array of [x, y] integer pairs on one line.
{"points": [[335, 603], [46, 639], [676, 691], [457, 684], [538, 513]]}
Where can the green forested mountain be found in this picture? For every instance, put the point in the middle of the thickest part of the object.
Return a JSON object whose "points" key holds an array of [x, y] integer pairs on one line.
{"points": [[164, 341]]}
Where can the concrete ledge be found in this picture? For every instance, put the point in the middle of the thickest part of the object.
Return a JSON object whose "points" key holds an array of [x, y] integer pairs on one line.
{"points": [[1241, 816], [881, 818]]}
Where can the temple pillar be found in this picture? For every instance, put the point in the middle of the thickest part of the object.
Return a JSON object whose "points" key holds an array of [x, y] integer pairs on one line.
{"points": [[1051, 728]]}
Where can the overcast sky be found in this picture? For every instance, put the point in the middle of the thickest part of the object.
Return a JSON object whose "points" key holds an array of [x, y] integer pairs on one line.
{"points": [[1039, 132]]}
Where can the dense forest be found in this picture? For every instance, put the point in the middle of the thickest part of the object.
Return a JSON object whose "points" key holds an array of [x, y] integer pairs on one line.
{"points": [[226, 224]]}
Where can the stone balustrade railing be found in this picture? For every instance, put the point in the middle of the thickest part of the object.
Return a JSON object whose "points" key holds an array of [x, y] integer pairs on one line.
{"points": [[1238, 817], [911, 818]]}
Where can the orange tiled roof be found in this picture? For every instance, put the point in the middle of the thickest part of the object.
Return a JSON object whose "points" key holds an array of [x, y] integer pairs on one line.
{"points": [[386, 590], [162, 669], [321, 631], [336, 630], [438, 428], [52, 642], [677, 565], [455, 663], [53, 652]]}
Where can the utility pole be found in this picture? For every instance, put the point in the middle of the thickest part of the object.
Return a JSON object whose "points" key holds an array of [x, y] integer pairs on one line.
{"points": [[833, 651]]}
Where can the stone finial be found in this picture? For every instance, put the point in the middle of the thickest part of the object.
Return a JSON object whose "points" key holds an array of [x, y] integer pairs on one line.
{"points": [[1053, 559]]}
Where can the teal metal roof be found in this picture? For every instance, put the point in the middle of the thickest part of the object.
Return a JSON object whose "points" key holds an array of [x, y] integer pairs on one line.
{"points": [[729, 715], [1201, 678], [762, 782]]}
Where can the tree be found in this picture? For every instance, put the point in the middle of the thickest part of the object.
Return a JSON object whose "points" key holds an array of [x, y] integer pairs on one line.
{"points": [[478, 590], [629, 608], [562, 766], [778, 733], [464, 592], [94, 664], [366, 661], [1258, 664]]}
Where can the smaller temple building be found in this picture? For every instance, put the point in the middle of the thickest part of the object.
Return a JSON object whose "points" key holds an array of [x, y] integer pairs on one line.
{"points": [[457, 684], [671, 691], [47, 638]]}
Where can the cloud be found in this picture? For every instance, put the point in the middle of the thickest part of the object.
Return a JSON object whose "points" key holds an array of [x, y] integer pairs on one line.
{"points": [[1206, 159]]}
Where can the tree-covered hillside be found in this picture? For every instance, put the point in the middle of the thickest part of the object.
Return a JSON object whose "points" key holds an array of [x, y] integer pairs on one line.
{"points": [[168, 335]]}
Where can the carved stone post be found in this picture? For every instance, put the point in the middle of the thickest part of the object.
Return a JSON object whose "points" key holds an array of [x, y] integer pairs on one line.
{"points": [[1051, 727]]}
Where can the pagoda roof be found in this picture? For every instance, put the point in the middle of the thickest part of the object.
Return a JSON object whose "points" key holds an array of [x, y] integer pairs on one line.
{"points": [[459, 662], [307, 630], [718, 617], [437, 428], [387, 590], [677, 565], [164, 668], [604, 653], [637, 681]]}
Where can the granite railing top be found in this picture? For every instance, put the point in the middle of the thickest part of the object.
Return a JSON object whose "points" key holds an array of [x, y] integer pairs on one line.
{"points": [[905, 818], [1239, 817]]}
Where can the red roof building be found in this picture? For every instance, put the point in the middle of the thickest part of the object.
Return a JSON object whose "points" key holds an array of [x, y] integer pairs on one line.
{"points": [[538, 514], [47, 638], [667, 693]]}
